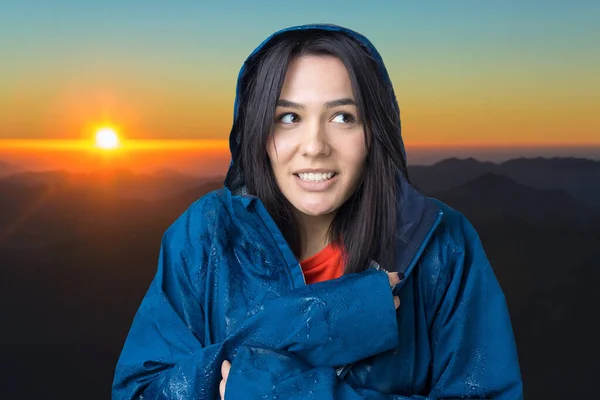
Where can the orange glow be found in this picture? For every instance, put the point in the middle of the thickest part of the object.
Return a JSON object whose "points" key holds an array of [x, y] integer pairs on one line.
{"points": [[136, 144], [222, 146], [203, 157]]}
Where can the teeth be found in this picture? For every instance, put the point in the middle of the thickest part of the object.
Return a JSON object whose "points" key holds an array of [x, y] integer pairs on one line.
{"points": [[316, 177]]}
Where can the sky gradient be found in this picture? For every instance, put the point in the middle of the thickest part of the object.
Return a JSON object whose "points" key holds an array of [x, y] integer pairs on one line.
{"points": [[465, 72]]}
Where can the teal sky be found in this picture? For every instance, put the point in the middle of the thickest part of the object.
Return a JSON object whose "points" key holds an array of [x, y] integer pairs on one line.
{"points": [[173, 60]]}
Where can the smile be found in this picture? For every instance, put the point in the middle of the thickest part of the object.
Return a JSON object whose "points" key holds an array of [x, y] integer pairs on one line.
{"points": [[316, 177]]}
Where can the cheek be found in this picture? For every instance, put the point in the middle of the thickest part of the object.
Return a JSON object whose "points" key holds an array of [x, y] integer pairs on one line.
{"points": [[280, 151], [271, 151]]}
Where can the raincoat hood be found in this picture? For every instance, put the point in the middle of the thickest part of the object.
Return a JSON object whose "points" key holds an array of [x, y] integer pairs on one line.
{"points": [[234, 139]]}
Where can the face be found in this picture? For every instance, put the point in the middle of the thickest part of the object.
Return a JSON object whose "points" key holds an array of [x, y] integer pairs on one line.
{"points": [[317, 149]]}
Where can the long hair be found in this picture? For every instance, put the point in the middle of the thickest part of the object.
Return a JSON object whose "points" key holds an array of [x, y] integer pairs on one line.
{"points": [[365, 224]]}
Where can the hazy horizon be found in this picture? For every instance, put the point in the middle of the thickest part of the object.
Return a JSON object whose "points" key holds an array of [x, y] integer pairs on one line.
{"points": [[214, 161]]}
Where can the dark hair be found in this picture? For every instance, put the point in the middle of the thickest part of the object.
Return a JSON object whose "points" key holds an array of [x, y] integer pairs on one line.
{"points": [[367, 220]]}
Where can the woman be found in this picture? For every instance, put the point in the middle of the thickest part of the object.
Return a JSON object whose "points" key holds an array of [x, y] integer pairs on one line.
{"points": [[318, 174]]}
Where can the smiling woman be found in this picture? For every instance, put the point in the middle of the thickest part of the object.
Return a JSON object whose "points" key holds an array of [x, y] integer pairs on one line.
{"points": [[319, 271], [107, 139]]}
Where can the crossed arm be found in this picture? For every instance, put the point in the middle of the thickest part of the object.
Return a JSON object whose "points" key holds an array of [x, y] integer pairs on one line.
{"points": [[162, 358]]}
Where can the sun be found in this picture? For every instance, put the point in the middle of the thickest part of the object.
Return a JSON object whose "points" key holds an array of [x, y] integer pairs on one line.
{"points": [[107, 139]]}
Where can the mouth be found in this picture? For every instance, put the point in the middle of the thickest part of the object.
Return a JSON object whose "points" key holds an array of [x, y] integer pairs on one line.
{"points": [[316, 176]]}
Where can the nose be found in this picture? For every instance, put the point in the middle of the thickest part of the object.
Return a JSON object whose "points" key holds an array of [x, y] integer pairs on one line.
{"points": [[315, 142]]}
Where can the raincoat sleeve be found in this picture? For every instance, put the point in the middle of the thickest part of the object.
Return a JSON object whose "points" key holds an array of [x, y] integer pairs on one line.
{"points": [[165, 355], [474, 354], [313, 321]]}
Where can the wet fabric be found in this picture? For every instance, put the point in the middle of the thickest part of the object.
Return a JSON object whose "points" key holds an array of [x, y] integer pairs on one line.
{"points": [[228, 287], [325, 265]]}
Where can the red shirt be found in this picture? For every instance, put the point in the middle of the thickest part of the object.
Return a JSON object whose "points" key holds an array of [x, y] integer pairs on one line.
{"points": [[325, 265]]}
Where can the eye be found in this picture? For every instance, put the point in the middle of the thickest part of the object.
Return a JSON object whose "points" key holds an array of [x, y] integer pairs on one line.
{"points": [[345, 118], [288, 118]]}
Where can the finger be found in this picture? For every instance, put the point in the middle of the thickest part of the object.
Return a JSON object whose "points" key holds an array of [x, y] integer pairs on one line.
{"points": [[222, 389], [394, 278], [225, 367], [396, 302]]}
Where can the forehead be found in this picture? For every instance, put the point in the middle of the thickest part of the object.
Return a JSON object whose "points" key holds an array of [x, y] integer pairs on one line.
{"points": [[316, 77]]}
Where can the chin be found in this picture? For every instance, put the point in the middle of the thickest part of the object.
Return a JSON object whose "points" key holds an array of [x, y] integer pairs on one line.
{"points": [[314, 210]]}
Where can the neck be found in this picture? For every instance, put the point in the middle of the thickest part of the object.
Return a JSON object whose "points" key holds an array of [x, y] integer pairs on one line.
{"points": [[315, 236]]}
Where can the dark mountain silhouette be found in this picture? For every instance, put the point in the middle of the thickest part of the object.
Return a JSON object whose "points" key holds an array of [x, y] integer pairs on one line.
{"points": [[491, 196], [447, 173], [77, 255], [8, 169], [28, 208], [578, 177], [40, 215], [121, 182], [186, 198], [74, 265]]}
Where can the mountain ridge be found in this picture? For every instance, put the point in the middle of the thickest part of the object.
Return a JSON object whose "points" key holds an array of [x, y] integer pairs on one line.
{"points": [[577, 176]]}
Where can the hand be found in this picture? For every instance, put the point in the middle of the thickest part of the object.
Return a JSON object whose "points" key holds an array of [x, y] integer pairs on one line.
{"points": [[225, 367], [394, 280]]}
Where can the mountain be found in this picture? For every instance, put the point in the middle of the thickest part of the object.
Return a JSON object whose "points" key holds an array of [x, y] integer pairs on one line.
{"points": [[120, 182], [580, 178], [492, 197], [43, 209], [447, 173], [75, 264], [41, 215], [7, 169], [77, 255], [183, 200]]}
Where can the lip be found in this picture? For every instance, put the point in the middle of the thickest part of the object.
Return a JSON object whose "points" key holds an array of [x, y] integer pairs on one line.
{"points": [[316, 186]]}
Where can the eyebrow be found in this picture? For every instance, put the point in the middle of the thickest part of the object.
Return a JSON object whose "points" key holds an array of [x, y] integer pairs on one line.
{"points": [[330, 104]]}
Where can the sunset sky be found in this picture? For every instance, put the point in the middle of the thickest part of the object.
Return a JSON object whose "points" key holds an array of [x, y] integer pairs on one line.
{"points": [[466, 73]]}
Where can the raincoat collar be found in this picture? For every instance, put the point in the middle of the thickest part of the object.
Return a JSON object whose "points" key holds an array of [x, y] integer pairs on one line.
{"points": [[418, 215]]}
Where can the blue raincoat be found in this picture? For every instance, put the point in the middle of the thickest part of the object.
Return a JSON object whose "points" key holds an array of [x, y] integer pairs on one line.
{"points": [[228, 287]]}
